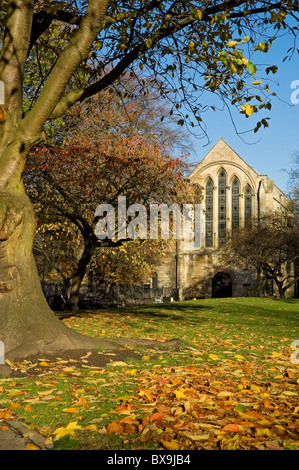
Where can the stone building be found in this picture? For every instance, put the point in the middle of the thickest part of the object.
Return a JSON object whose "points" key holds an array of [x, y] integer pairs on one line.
{"points": [[233, 193]]}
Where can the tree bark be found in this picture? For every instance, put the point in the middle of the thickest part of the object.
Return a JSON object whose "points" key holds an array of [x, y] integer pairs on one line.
{"points": [[281, 290], [27, 324], [77, 278]]}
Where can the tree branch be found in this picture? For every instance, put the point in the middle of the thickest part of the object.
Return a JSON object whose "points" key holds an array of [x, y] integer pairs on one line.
{"points": [[14, 53], [169, 26], [76, 51]]}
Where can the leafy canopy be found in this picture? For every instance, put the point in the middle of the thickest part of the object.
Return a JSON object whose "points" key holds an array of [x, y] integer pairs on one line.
{"points": [[187, 48]]}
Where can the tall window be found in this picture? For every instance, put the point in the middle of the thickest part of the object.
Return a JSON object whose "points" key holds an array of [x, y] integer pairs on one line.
{"points": [[247, 201], [235, 203], [222, 208], [209, 213]]}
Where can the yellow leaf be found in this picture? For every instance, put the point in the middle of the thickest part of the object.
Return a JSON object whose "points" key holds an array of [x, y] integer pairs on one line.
{"points": [[170, 445], [145, 358], [256, 82], [213, 356], [46, 392], [199, 15], [44, 364], [276, 354], [70, 410], [232, 43], [179, 394], [238, 356], [91, 427], [247, 108], [32, 447], [289, 393], [148, 43], [15, 393], [70, 429]]}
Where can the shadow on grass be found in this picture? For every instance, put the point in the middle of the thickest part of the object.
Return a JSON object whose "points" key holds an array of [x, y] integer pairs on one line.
{"points": [[246, 309]]}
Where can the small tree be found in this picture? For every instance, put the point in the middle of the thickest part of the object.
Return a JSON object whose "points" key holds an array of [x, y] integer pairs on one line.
{"points": [[102, 159], [269, 247]]}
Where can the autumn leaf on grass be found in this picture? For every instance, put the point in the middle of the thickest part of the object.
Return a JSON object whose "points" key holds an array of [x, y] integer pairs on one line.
{"points": [[15, 393], [213, 356], [239, 357], [70, 410], [69, 430], [129, 420], [82, 402]]}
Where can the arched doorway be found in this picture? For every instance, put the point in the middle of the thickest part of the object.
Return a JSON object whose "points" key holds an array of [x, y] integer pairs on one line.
{"points": [[222, 285]]}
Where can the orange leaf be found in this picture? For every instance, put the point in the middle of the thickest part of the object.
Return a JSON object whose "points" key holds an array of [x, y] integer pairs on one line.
{"points": [[82, 402], [32, 447], [231, 428], [129, 420], [157, 416], [114, 427], [14, 405], [6, 415]]}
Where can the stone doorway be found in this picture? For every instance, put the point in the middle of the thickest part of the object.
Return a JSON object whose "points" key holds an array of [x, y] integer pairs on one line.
{"points": [[222, 285]]}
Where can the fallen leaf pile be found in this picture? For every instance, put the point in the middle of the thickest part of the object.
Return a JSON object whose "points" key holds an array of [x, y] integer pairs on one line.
{"points": [[210, 408], [234, 386]]}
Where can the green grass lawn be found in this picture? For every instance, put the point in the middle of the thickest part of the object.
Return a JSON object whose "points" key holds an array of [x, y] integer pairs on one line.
{"points": [[210, 325], [232, 385]]}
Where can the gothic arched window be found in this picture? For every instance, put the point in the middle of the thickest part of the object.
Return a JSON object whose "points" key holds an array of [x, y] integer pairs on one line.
{"points": [[209, 212], [248, 203], [222, 207], [235, 203]]}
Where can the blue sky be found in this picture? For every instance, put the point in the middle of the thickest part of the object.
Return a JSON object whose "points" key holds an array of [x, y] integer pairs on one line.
{"points": [[271, 150]]}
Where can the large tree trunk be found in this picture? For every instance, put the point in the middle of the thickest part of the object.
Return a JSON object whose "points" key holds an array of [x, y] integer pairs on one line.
{"points": [[27, 324]]}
